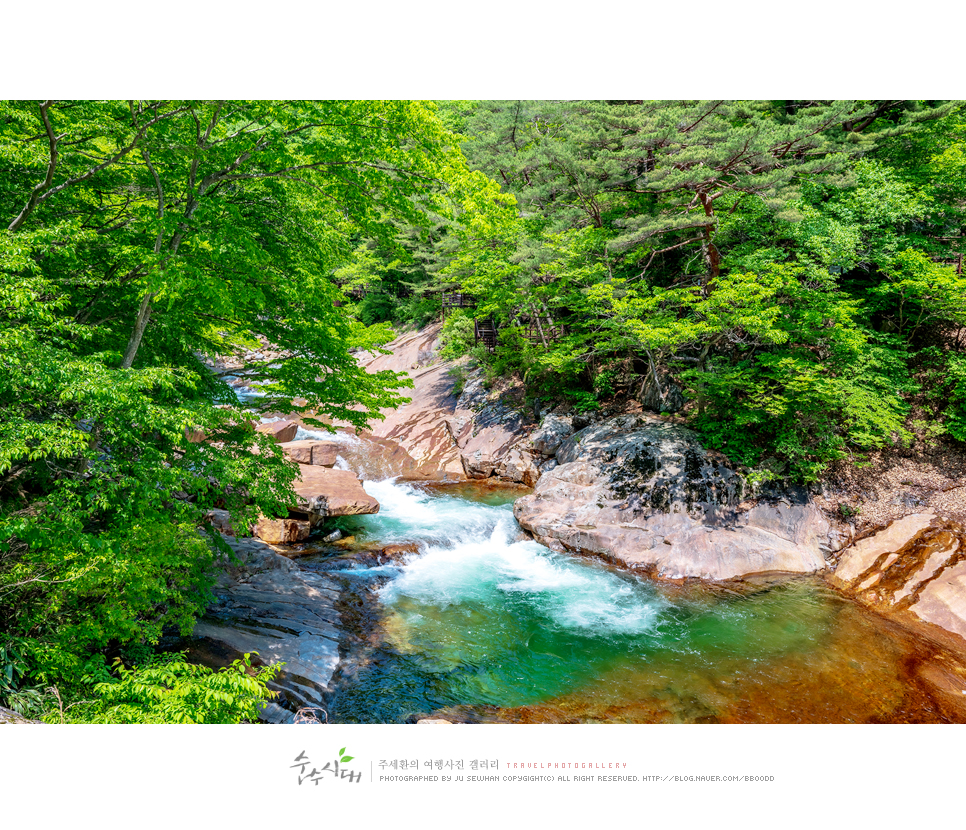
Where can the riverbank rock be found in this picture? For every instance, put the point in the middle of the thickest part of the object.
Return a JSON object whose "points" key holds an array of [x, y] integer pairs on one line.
{"points": [[490, 431], [282, 531], [419, 426], [317, 453], [9, 716], [644, 493], [552, 432], [282, 431], [325, 492], [266, 604], [915, 566], [448, 438]]}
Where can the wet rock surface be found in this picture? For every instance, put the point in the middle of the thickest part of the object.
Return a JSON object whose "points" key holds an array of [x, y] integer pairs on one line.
{"points": [[914, 567], [644, 493], [267, 604]]}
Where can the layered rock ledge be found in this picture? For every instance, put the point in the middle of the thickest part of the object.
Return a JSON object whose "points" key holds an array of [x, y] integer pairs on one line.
{"points": [[324, 492], [644, 493], [915, 566], [267, 604]]}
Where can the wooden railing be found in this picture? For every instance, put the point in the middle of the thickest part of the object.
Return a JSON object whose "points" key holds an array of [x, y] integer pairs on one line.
{"points": [[456, 299], [484, 331]]}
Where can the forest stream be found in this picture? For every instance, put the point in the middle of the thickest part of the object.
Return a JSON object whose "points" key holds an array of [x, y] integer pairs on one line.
{"points": [[476, 623]]}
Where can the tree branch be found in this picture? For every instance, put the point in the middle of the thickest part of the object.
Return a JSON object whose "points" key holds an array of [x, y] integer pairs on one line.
{"points": [[44, 191]]}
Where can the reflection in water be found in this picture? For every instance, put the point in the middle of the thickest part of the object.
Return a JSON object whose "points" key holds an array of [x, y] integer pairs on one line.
{"points": [[482, 625]]}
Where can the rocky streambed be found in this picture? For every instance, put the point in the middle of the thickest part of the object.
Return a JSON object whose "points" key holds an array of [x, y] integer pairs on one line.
{"points": [[676, 540]]}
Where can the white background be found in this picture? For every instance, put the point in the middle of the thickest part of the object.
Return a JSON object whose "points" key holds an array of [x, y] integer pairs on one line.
{"points": [[144, 777]]}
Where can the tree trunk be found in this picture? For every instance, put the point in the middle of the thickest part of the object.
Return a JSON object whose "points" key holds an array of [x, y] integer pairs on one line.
{"points": [[712, 258], [140, 324]]}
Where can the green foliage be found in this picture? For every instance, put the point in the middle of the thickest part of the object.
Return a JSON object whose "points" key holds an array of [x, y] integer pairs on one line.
{"points": [[916, 292], [605, 382], [456, 335], [376, 308], [459, 375], [512, 353], [139, 239], [124, 585], [944, 384], [776, 257], [956, 412], [582, 400], [417, 310], [171, 691]]}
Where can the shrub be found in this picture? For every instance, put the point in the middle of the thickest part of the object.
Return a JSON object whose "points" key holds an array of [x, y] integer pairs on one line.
{"points": [[171, 690], [456, 335]]}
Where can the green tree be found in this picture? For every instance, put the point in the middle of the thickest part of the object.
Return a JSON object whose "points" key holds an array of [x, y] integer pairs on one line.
{"points": [[141, 239], [633, 213]]}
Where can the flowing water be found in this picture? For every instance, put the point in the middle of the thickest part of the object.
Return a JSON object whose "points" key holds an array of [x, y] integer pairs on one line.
{"points": [[481, 624]]}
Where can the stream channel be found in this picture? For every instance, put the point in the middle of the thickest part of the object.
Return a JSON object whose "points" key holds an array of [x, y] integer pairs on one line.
{"points": [[476, 623]]}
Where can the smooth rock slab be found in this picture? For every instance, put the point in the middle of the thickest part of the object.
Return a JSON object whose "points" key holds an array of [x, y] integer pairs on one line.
{"points": [[268, 605], [861, 556], [917, 564], [419, 426]]}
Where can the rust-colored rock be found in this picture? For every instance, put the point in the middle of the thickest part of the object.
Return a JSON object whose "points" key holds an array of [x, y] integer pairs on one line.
{"points": [[400, 550], [862, 555], [281, 431], [318, 453], [914, 566], [282, 531], [328, 492]]}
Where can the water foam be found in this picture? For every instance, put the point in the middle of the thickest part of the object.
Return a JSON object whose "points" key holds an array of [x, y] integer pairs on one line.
{"points": [[303, 434], [473, 556], [407, 513]]}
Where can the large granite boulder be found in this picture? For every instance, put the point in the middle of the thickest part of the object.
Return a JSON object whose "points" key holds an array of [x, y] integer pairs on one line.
{"points": [[916, 566], [282, 431], [319, 453], [322, 492], [645, 493], [552, 432]]}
